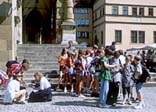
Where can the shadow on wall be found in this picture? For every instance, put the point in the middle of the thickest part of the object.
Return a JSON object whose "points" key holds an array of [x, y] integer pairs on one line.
{"points": [[5, 9]]}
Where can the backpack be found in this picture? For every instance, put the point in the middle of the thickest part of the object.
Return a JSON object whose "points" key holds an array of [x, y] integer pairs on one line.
{"points": [[9, 63], [96, 65], [145, 74]]}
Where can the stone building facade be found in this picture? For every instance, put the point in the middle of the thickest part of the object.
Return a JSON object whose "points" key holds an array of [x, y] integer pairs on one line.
{"points": [[6, 46], [130, 23], [32, 22]]}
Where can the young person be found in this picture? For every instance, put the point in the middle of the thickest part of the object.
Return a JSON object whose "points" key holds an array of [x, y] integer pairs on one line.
{"points": [[127, 81], [105, 77], [62, 63], [13, 92], [79, 71], [44, 92], [137, 73]]}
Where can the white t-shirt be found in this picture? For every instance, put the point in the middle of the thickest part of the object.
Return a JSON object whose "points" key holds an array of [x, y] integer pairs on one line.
{"points": [[122, 59], [138, 70], [44, 83], [88, 60], [12, 88]]}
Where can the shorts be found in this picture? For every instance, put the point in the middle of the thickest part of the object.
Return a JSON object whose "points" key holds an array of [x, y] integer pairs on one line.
{"points": [[80, 73], [138, 87], [71, 71], [97, 74], [62, 68]]}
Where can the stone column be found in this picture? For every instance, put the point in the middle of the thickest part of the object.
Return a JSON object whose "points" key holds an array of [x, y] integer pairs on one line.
{"points": [[16, 25], [59, 19], [68, 26], [69, 16], [14, 34]]}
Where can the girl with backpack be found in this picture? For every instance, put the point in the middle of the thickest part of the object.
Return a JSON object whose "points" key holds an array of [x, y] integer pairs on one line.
{"points": [[79, 71], [137, 73]]}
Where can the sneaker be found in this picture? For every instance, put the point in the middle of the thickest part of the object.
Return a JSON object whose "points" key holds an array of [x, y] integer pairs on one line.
{"points": [[72, 90], [107, 106], [136, 101], [65, 90], [81, 96], [104, 106], [100, 105], [129, 102], [74, 94], [139, 106], [132, 99], [124, 101]]}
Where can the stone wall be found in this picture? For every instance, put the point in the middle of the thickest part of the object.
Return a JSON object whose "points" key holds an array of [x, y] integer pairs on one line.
{"points": [[5, 33]]}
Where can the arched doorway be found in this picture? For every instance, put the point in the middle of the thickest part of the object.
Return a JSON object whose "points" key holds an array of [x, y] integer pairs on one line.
{"points": [[39, 22], [34, 27]]}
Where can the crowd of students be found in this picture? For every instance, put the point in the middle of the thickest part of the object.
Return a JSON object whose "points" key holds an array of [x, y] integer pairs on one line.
{"points": [[115, 72], [103, 72]]}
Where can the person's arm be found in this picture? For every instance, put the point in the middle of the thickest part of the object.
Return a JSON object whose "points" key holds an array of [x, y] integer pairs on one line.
{"points": [[83, 63], [41, 84], [106, 65]]}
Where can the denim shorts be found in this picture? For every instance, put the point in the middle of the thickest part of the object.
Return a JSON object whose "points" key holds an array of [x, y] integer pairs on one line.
{"points": [[97, 74], [71, 71], [80, 73], [138, 87]]}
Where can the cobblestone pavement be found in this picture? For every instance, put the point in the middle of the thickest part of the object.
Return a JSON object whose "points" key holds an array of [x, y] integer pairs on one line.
{"points": [[67, 103]]}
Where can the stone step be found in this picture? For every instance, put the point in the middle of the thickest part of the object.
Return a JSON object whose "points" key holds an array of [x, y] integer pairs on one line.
{"points": [[44, 66], [46, 73], [43, 58], [47, 57], [34, 60]]}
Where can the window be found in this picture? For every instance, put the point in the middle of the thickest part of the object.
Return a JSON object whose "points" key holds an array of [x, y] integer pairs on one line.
{"points": [[101, 37], [141, 11], [78, 34], [134, 11], [82, 22], [82, 34], [125, 10], [103, 11], [154, 36], [141, 36], [80, 11], [137, 37], [115, 10], [150, 11], [133, 36], [118, 36]]}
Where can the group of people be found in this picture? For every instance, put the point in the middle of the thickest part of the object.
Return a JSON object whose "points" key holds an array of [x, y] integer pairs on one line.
{"points": [[115, 72], [16, 88], [103, 72]]}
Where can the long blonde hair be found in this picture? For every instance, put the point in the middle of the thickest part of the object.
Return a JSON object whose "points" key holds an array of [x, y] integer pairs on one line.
{"points": [[38, 74]]}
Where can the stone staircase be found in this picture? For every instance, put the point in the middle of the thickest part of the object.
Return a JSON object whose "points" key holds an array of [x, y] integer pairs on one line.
{"points": [[43, 58]]}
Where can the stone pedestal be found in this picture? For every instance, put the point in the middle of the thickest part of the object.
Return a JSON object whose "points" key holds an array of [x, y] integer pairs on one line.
{"points": [[68, 25], [68, 33]]}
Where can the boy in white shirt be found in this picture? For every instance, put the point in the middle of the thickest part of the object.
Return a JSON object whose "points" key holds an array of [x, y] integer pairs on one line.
{"points": [[13, 92]]}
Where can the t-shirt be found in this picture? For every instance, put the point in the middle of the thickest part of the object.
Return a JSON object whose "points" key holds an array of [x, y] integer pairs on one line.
{"points": [[127, 75], [44, 83], [137, 70], [122, 59], [12, 88], [106, 73]]}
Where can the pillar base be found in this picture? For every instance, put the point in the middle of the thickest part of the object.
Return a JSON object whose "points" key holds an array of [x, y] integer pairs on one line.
{"points": [[69, 32]]}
